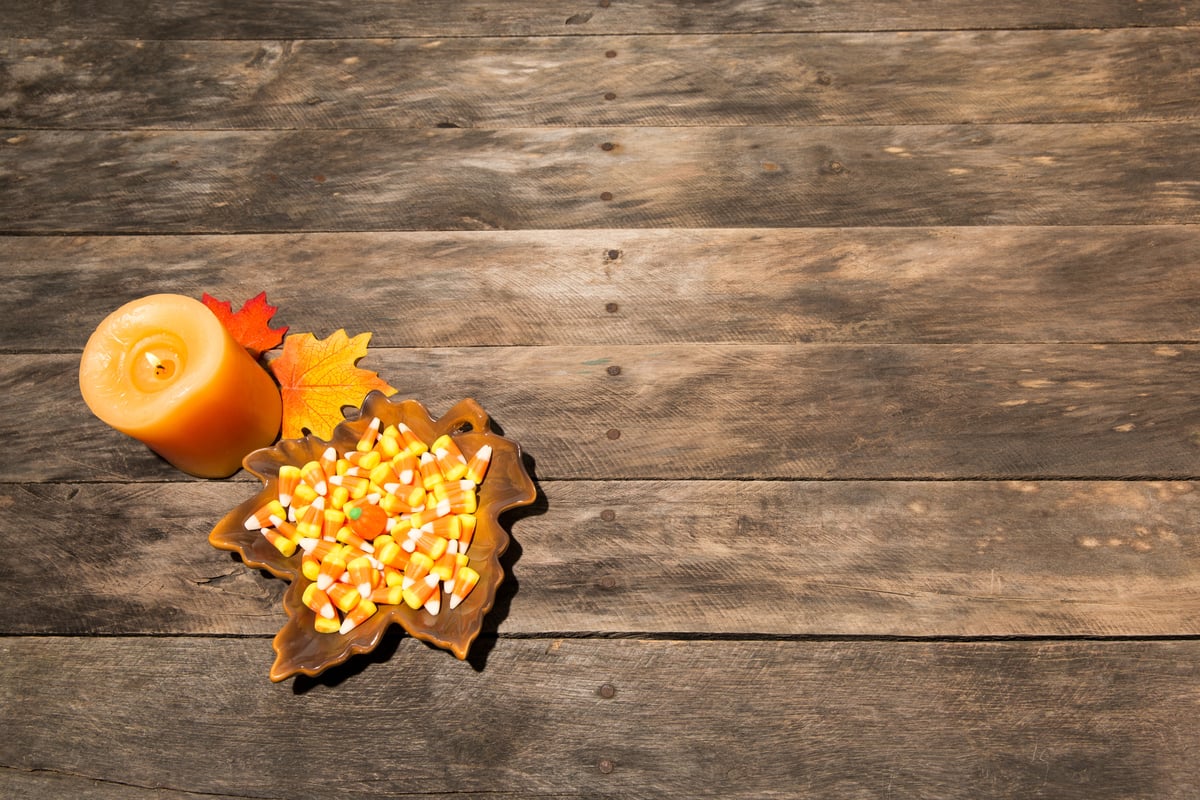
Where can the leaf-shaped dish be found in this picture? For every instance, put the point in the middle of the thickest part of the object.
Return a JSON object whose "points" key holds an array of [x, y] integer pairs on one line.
{"points": [[301, 649]]}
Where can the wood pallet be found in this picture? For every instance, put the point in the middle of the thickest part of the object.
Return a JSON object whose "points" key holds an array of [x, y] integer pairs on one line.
{"points": [[854, 347]]}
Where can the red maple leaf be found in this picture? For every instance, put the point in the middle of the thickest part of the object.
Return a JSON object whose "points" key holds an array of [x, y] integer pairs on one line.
{"points": [[250, 326]]}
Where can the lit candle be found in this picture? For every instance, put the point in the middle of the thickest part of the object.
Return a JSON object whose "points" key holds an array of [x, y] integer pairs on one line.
{"points": [[164, 370]]}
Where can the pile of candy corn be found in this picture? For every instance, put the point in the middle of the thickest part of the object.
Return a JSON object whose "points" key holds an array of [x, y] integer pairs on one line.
{"points": [[389, 522]]}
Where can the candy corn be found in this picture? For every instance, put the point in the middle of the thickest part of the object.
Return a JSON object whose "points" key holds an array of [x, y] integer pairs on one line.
{"points": [[328, 460], [478, 465], [412, 442], [459, 497], [464, 582], [407, 468], [421, 591], [331, 521], [467, 533], [312, 522], [282, 543], [418, 567], [356, 485], [390, 554], [262, 517], [431, 475], [331, 569], [387, 523], [363, 576], [319, 602], [303, 495], [289, 479], [344, 596], [315, 476], [427, 543], [390, 444], [364, 462], [443, 527], [387, 595], [366, 442], [310, 566], [364, 610], [450, 459]]}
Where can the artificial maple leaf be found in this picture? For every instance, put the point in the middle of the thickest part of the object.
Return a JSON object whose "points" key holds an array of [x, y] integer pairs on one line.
{"points": [[318, 377], [251, 325]]}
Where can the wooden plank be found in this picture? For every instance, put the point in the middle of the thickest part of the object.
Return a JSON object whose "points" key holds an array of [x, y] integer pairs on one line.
{"points": [[486, 288], [737, 411], [891, 558], [596, 718], [33, 785], [762, 79], [918, 175], [205, 19]]}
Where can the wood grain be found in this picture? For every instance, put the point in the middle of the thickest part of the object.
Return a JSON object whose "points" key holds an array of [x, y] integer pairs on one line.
{"points": [[761, 79], [1095, 720], [916, 175], [535, 288], [237, 19], [854, 346], [737, 411], [670, 558]]}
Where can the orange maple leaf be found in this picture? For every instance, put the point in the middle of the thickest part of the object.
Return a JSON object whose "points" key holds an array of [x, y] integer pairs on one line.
{"points": [[318, 377], [251, 325]]}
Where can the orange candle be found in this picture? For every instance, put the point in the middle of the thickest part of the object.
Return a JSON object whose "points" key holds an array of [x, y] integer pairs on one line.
{"points": [[164, 370]]}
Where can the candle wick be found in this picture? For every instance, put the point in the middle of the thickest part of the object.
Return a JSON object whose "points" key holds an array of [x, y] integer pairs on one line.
{"points": [[157, 365]]}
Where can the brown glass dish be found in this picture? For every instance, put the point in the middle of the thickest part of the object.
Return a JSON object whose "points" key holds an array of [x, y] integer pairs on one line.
{"points": [[301, 650]]}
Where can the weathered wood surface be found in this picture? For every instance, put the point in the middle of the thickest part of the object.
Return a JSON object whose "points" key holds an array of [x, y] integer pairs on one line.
{"points": [[854, 346], [239, 19], [912, 175], [596, 718], [738, 411], [669, 558], [531, 288], [793, 79]]}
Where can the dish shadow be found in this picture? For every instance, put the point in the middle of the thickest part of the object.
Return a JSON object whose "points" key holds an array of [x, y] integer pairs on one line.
{"points": [[489, 633]]}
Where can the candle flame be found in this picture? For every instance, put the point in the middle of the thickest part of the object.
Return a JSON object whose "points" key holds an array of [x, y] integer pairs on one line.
{"points": [[162, 369]]}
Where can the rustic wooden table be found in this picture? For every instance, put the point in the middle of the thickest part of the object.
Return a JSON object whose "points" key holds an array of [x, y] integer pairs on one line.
{"points": [[855, 347]]}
